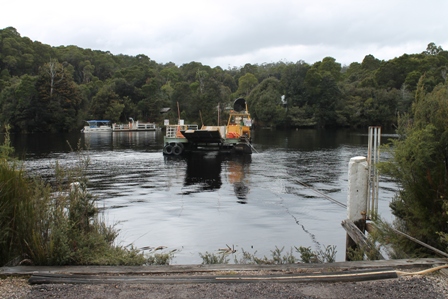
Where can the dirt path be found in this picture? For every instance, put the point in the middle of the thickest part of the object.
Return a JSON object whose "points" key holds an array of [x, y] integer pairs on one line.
{"points": [[403, 287]]}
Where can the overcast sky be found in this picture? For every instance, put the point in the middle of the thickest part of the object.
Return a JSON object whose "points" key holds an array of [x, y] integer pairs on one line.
{"points": [[235, 32]]}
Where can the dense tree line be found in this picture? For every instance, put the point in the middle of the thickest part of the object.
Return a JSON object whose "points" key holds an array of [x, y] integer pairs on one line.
{"points": [[54, 89]]}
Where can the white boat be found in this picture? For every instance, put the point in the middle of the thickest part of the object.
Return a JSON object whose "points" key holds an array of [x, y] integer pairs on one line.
{"points": [[97, 126]]}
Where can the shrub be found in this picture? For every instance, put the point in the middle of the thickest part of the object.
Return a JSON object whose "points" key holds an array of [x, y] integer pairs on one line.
{"points": [[57, 224], [420, 166]]}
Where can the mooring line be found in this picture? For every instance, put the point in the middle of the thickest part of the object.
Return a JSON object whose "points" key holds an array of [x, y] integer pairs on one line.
{"points": [[322, 194], [251, 146], [312, 236]]}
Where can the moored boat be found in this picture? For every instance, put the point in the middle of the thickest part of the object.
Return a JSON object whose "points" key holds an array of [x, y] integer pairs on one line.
{"points": [[97, 126]]}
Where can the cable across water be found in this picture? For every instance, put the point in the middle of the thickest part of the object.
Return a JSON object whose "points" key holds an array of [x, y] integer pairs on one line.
{"points": [[322, 194]]}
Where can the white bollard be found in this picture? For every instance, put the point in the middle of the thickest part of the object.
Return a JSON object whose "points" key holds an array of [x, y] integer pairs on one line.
{"points": [[358, 176]]}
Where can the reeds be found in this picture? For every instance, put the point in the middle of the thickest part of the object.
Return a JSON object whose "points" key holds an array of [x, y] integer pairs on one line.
{"points": [[278, 256]]}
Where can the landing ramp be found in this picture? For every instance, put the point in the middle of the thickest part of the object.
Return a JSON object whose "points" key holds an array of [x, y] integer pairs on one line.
{"points": [[207, 134]]}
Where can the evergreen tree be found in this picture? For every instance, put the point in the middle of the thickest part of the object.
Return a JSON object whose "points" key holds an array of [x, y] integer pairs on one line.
{"points": [[58, 101], [420, 165]]}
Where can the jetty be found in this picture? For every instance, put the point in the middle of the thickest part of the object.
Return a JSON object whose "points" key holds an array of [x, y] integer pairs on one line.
{"points": [[106, 126]]}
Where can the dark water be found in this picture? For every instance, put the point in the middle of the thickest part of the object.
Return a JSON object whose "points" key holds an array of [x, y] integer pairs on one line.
{"points": [[205, 202]]}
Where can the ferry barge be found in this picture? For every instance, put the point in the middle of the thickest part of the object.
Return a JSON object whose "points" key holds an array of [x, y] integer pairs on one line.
{"points": [[232, 138]]}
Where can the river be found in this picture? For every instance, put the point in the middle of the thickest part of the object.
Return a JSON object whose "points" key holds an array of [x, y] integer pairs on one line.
{"points": [[271, 199]]}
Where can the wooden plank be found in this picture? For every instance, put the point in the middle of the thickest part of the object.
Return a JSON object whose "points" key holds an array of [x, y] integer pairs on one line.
{"points": [[437, 251], [368, 274], [361, 240], [185, 269], [371, 227]]}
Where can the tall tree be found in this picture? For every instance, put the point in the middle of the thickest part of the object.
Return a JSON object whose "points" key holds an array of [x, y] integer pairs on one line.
{"points": [[245, 84], [323, 94], [102, 100], [265, 103], [16, 103], [433, 49], [59, 99]]}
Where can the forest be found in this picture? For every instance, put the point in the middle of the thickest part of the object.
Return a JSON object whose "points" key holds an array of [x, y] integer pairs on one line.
{"points": [[55, 89]]}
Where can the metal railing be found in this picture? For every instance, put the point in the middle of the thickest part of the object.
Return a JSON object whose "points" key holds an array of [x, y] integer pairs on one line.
{"points": [[373, 157], [173, 131]]}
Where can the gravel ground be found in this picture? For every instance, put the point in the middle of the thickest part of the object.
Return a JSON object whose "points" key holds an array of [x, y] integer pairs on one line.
{"points": [[433, 286]]}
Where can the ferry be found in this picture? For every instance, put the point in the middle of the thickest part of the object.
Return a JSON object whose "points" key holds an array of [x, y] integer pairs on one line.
{"points": [[232, 138]]}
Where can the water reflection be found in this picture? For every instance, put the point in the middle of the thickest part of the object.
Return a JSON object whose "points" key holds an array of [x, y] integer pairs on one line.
{"points": [[120, 140], [203, 172], [238, 167], [134, 139], [97, 140]]}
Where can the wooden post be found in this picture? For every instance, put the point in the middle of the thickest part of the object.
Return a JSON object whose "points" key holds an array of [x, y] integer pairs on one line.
{"points": [[358, 177]]}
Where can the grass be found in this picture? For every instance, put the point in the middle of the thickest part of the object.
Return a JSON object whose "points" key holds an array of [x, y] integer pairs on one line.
{"points": [[278, 256]]}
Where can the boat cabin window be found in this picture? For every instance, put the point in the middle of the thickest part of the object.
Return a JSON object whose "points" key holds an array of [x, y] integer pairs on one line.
{"points": [[239, 120]]}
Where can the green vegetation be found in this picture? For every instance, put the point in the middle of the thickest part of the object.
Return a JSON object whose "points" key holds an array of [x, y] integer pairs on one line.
{"points": [[211, 258], [277, 256], [54, 89], [57, 223], [160, 258], [419, 163]]}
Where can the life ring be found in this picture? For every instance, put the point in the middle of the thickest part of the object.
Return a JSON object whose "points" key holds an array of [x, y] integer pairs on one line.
{"points": [[177, 149], [168, 149]]}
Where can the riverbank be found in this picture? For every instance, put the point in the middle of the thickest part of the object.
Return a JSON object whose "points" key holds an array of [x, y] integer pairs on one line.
{"points": [[231, 281]]}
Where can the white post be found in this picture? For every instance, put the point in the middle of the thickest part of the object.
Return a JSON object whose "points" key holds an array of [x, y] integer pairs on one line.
{"points": [[358, 177]]}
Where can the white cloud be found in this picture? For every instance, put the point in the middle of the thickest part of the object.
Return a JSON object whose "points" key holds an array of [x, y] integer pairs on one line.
{"points": [[232, 33]]}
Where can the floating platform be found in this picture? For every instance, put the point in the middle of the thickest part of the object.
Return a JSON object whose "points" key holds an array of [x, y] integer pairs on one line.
{"points": [[99, 126], [134, 126]]}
